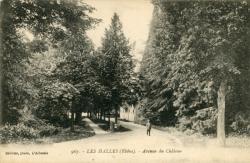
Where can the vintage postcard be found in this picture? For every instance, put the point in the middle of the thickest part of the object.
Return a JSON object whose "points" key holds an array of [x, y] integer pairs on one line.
{"points": [[124, 81]]}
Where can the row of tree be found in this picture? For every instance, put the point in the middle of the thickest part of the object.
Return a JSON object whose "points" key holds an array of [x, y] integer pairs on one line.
{"points": [[51, 65], [196, 64]]}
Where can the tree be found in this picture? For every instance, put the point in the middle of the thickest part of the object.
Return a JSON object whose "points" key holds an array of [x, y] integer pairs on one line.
{"points": [[194, 44], [117, 63], [49, 22], [76, 68], [1, 68], [154, 68], [209, 51]]}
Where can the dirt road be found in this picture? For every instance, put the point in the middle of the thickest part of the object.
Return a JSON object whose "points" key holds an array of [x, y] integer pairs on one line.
{"points": [[130, 146]]}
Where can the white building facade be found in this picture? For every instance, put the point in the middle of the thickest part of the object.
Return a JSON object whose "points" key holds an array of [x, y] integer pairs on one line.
{"points": [[128, 112]]}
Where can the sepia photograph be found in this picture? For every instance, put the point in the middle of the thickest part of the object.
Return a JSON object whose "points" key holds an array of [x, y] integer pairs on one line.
{"points": [[123, 81]]}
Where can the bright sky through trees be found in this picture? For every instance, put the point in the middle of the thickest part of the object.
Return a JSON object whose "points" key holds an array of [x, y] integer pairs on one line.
{"points": [[135, 16]]}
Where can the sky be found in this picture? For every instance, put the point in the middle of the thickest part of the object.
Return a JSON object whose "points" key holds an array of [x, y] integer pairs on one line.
{"points": [[135, 16]]}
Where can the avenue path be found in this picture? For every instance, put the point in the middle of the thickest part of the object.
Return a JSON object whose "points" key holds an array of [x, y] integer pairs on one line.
{"points": [[129, 146]]}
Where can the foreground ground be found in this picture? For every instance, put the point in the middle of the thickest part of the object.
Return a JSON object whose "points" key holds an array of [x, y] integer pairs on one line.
{"points": [[130, 146]]}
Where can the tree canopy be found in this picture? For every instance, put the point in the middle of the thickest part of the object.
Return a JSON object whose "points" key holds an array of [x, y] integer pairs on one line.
{"points": [[117, 64], [194, 49], [32, 30]]}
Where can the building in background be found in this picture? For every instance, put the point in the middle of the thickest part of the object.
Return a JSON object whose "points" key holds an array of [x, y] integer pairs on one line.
{"points": [[129, 112]]}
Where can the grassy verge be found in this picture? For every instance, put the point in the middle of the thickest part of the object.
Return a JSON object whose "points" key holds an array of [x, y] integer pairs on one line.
{"points": [[83, 130], [191, 139], [102, 124], [22, 134]]}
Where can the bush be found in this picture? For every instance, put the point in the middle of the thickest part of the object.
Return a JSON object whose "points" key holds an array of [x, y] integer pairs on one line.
{"points": [[205, 121], [48, 130], [184, 123], [18, 132], [28, 130], [45, 129], [241, 124], [35, 123]]}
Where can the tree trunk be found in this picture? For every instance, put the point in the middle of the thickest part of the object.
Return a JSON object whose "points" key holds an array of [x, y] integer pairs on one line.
{"points": [[95, 114], [101, 114], [72, 117], [78, 117], [221, 102], [109, 115], [88, 114], [116, 114], [1, 69], [72, 121]]}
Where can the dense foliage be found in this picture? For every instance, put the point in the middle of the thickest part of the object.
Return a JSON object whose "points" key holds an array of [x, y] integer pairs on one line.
{"points": [[49, 22], [51, 71], [195, 48], [117, 67]]}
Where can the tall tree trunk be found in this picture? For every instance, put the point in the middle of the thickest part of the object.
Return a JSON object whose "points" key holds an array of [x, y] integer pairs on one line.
{"points": [[221, 102], [72, 117], [101, 114], [72, 120], [95, 114], [109, 115], [1, 69], [78, 117], [116, 114]]}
